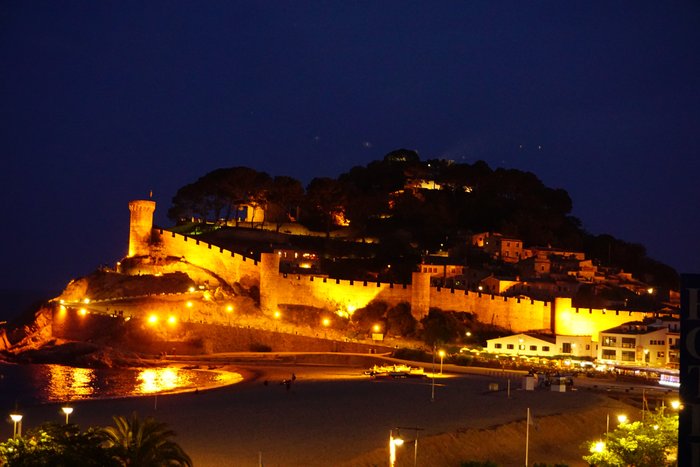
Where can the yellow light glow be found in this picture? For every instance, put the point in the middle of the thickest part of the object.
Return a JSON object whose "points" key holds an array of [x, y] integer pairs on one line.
{"points": [[229, 308], [277, 314], [398, 441], [82, 312], [351, 309], [191, 289], [67, 383], [189, 304], [160, 379], [172, 319], [650, 290], [376, 328], [86, 300], [153, 319], [67, 410], [15, 417], [326, 322], [675, 404], [598, 447], [441, 353], [622, 418]]}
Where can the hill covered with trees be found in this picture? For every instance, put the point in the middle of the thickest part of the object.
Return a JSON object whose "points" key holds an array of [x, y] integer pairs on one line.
{"points": [[413, 208]]}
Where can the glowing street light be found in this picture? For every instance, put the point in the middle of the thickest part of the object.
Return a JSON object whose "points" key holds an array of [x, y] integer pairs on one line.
{"points": [[393, 443], [67, 411], [326, 322], [17, 420], [442, 356], [622, 418], [598, 447], [153, 319], [675, 404], [376, 328], [229, 310]]}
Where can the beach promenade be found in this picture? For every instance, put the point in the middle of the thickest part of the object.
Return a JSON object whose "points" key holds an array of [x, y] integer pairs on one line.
{"points": [[333, 415]]}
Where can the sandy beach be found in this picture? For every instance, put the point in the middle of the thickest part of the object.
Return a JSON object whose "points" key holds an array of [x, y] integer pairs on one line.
{"points": [[334, 415]]}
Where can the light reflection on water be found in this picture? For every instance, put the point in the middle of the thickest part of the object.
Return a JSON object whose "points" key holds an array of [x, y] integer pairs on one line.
{"points": [[39, 383], [66, 383]]}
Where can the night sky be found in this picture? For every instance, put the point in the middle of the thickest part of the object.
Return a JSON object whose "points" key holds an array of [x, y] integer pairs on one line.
{"points": [[103, 101]]}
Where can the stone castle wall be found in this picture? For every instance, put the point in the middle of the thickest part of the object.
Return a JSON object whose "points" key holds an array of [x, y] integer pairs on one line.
{"points": [[337, 294], [513, 313], [228, 265]]}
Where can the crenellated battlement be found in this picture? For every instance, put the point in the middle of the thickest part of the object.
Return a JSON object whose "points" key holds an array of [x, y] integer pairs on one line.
{"points": [[341, 295]]}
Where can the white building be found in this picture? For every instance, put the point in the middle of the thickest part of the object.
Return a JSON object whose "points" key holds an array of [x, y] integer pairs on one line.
{"points": [[640, 343], [541, 345]]}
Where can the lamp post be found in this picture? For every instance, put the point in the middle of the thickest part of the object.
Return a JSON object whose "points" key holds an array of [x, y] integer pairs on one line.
{"points": [[67, 411], [415, 441], [432, 391], [393, 443], [229, 310], [442, 356], [17, 429]]}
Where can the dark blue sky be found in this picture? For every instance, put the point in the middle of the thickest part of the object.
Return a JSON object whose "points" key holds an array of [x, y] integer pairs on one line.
{"points": [[102, 101]]}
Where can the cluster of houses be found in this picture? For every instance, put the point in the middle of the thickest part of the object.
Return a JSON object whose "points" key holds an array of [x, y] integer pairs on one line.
{"points": [[542, 273], [652, 343]]}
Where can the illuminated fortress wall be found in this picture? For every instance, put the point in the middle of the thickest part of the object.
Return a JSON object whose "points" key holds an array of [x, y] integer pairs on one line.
{"points": [[228, 265], [336, 294], [509, 312], [589, 321], [513, 313]]}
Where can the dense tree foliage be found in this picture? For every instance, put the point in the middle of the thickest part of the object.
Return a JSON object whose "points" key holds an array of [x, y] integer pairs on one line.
{"points": [[414, 206], [57, 445], [131, 442], [146, 443], [440, 327], [649, 443]]}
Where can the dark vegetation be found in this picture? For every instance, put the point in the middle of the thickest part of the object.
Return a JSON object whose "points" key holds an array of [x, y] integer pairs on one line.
{"points": [[389, 200], [131, 441]]}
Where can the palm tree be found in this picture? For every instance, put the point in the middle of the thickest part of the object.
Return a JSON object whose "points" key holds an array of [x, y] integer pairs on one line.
{"points": [[144, 443]]}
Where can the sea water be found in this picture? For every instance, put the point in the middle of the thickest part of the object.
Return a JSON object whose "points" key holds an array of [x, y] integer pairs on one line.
{"points": [[33, 384]]}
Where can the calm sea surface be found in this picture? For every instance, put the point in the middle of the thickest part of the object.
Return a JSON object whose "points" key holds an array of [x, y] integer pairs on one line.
{"points": [[27, 385]]}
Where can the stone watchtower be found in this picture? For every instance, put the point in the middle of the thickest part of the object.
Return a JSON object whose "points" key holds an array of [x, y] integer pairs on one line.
{"points": [[140, 227]]}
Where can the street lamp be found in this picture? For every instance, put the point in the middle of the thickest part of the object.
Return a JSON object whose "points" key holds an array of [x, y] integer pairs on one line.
{"points": [[622, 418], [393, 443], [442, 356], [432, 390], [67, 411], [229, 310], [675, 404], [17, 420]]}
